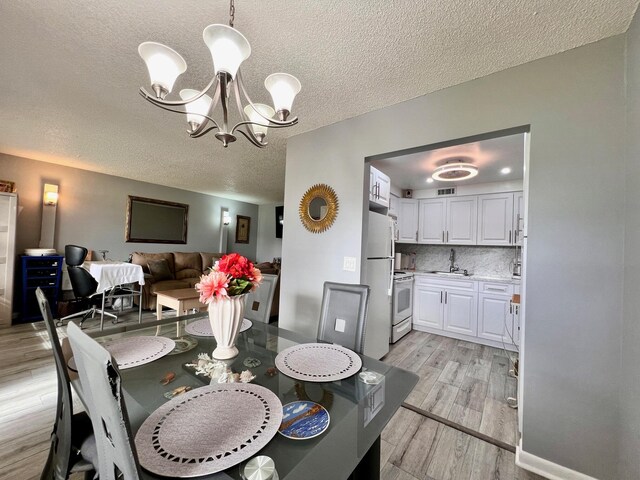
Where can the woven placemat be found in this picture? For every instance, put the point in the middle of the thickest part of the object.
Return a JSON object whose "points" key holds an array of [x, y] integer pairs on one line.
{"points": [[202, 328], [131, 352], [318, 362], [208, 429]]}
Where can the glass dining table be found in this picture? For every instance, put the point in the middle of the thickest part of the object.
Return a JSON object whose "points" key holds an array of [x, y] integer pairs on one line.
{"points": [[348, 449]]}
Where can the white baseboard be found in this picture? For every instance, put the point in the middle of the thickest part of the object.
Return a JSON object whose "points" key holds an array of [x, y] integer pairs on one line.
{"points": [[547, 469], [460, 336]]}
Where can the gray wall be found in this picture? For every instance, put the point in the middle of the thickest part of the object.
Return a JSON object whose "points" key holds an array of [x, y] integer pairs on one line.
{"points": [[92, 209], [574, 103], [630, 392], [268, 245]]}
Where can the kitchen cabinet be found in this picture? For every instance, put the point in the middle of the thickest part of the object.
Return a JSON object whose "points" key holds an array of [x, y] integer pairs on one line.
{"points": [[393, 205], [379, 188], [473, 310], [407, 220], [448, 221], [497, 314], [499, 215], [439, 304], [8, 215]]}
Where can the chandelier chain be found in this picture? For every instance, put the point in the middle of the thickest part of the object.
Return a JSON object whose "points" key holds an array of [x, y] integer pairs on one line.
{"points": [[232, 12]]}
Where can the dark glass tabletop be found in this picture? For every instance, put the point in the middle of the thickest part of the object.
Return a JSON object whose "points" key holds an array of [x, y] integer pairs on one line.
{"points": [[358, 411]]}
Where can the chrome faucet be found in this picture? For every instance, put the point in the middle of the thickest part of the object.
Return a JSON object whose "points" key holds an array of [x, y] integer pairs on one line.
{"points": [[452, 258]]}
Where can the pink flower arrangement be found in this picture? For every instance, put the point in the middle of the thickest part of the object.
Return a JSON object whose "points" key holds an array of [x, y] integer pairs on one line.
{"points": [[232, 275]]}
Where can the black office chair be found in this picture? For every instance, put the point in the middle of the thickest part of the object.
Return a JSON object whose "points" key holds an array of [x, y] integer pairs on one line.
{"points": [[83, 284], [72, 448], [343, 315]]}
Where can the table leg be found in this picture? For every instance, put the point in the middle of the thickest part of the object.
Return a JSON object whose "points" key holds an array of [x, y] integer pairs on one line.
{"points": [[369, 466], [102, 311], [158, 314], [179, 312], [139, 305]]}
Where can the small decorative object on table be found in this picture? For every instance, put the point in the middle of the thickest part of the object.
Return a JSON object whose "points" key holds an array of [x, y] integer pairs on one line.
{"points": [[223, 290]]}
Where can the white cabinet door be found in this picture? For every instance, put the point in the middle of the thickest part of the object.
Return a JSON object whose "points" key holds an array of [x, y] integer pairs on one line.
{"points": [[372, 184], [462, 214], [393, 205], [384, 189], [407, 220], [495, 219], [432, 224], [516, 325], [427, 306], [495, 320], [518, 217], [460, 312]]}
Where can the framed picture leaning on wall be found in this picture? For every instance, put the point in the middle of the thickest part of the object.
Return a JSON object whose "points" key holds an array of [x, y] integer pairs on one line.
{"points": [[243, 226]]}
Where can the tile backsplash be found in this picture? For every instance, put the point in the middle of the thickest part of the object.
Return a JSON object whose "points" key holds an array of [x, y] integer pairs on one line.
{"points": [[489, 261]]}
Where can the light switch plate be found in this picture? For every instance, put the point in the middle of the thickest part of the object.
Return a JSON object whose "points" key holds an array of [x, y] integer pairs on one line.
{"points": [[349, 264], [341, 325]]}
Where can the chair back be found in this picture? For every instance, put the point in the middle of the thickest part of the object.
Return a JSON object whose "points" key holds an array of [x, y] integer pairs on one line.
{"points": [[257, 304], [74, 255], [102, 389], [82, 283], [59, 461], [343, 315]]}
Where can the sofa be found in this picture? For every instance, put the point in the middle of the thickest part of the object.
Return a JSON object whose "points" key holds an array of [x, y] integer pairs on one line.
{"points": [[174, 270]]}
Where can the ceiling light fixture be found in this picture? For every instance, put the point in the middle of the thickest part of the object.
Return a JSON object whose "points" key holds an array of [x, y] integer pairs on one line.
{"points": [[229, 48], [505, 171], [429, 180], [451, 172]]}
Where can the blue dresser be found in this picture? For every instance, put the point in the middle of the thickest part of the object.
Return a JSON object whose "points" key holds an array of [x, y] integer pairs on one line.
{"points": [[44, 272]]}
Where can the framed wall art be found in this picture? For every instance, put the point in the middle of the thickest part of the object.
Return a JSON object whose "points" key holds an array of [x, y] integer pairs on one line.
{"points": [[243, 227]]}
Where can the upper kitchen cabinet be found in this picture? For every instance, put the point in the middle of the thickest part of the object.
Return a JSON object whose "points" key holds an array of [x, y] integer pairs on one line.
{"points": [[448, 221], [379, 188], [498, 218], [407, 220], [393, 205]]}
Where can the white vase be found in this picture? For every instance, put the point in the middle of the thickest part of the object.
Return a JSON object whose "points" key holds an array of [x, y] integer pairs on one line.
{"points": [[225, 316]]}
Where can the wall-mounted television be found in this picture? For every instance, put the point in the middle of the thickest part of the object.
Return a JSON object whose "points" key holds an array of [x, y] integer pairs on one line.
{"points": [[279, 221]]}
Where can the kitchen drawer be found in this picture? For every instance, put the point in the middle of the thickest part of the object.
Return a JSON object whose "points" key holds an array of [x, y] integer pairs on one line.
{"points": [[400, 330], [445, 282], [495, 288]]}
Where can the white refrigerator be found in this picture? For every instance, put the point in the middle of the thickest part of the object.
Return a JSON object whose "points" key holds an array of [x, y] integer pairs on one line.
{"points": [[380, 254]]}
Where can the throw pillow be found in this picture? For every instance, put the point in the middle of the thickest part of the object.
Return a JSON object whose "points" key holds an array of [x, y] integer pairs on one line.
{"points": [[160, 270]]}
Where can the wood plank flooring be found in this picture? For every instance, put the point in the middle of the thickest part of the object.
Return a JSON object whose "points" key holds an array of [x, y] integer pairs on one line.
{"points": [[465, 383]]}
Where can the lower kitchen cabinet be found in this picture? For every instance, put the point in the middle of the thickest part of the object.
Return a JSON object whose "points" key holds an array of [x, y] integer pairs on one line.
{"points": [[455, 308]]}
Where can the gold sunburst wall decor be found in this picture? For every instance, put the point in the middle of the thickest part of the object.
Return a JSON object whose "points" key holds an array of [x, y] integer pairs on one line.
{"points": [[318, 208]]}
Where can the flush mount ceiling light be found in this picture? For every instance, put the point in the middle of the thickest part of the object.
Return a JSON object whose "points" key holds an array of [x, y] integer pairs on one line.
{"points": [[229, 48], [505, 171], [429, 180], [451, 172]]}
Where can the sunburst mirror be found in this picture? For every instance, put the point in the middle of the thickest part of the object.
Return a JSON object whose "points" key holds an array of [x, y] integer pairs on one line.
{"points": [[318, 208]]}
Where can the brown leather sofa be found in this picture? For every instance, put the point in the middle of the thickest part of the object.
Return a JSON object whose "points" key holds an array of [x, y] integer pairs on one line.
{"points": [[185, 269]]}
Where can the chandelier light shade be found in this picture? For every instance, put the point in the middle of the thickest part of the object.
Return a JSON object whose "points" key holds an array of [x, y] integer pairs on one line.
{"points": [[164, 64], [283, 89], [451, 172], [229, 48]]}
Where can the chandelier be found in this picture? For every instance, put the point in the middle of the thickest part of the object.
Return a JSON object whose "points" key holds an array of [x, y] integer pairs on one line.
{"points": [[229, 48]]}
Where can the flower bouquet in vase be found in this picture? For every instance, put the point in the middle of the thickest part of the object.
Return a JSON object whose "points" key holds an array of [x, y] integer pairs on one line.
{"points": [[224, 289]]}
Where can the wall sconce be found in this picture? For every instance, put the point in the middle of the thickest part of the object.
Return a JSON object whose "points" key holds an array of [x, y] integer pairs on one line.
{"points": [[50, 195], [226, 218]]}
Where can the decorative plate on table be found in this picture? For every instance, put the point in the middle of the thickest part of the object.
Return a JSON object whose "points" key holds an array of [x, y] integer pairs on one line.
{"points": [[184, 344], [202, 327], [131, 352], [318, 362], [208, 429], [303, 420]]}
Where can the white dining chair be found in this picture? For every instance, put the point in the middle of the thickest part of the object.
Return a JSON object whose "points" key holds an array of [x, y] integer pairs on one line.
{"points": [[343, 315], [257, 305]]}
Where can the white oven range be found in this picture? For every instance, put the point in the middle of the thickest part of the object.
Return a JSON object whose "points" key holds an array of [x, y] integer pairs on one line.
{"points": [[402, 305]]}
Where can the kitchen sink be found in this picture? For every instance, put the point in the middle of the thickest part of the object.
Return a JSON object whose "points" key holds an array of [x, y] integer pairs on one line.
{"points": [[451, 274]]}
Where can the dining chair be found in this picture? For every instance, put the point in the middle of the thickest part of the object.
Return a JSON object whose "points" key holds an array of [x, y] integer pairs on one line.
{"points": [[83, 284], [343, 315], [100, 377], [71, 448], [257, 305]]}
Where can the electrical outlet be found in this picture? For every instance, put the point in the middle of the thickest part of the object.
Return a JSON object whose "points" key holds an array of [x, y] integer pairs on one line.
{"points": [[349, 264]]}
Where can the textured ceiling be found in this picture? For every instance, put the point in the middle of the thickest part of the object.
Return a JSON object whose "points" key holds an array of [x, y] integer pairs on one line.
{"points": [[70, 72], [490, 156]]}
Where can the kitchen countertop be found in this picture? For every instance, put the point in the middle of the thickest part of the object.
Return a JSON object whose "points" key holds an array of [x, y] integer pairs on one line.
{"points": [[479, 277]]}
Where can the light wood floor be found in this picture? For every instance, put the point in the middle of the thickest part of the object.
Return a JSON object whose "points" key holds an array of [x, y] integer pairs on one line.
{"points": [[413, 447]]}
